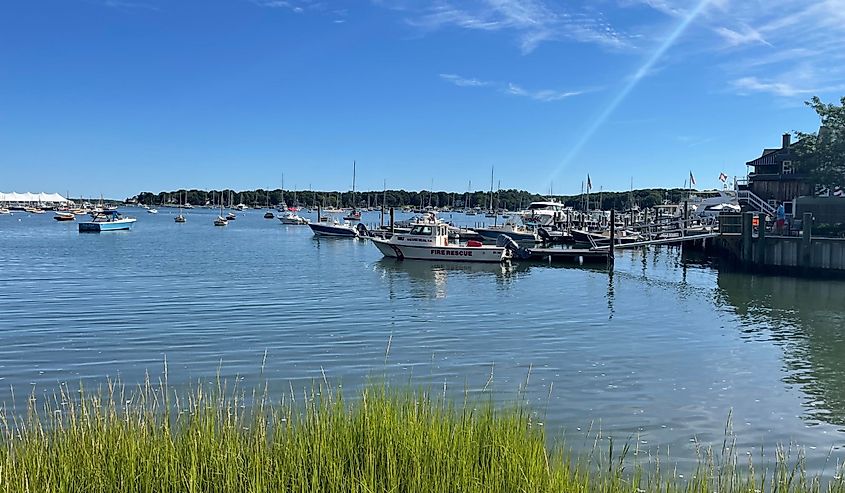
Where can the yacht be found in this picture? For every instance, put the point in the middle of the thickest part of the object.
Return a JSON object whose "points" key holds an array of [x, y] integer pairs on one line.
{"points": [[429, 240], [710, 203], [543, 213]]}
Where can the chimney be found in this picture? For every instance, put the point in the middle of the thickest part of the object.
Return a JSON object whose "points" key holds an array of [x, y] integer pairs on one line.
{"points": [[786, 140]]}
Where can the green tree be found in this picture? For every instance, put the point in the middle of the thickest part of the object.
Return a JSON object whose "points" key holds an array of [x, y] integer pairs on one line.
{"points": [[821, 155]]}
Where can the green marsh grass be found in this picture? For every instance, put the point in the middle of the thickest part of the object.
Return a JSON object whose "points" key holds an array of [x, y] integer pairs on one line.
{"points": [[214, 438]]}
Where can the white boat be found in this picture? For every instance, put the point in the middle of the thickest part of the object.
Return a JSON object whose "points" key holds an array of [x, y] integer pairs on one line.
{"points": [[543, 213], [152, 211], [293, 219], [220, 220], [241, 207], [430, 241], [181, 217], [336, 228], [3, 210], [107, 221], [706, 203]]}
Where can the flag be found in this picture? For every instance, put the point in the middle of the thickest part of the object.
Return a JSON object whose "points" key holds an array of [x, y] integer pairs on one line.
{"points": [[589, 183], [691, 179], [723, 177]]}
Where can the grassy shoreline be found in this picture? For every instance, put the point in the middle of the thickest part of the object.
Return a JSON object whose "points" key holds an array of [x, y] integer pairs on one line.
{"points": [[208, 439]]}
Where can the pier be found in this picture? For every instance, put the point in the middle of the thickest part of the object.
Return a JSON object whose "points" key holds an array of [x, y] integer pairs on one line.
{"points": [[749, 245]]}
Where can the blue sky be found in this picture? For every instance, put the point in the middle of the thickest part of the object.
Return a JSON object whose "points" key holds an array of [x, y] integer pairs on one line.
{"points": [[122, 96]]}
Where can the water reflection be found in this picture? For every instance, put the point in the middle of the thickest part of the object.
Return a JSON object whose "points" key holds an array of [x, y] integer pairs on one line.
{"points": [[807, 319], [427, 279]]}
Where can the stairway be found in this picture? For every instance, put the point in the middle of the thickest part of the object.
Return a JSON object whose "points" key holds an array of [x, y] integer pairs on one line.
{"points": [[748, 198]]}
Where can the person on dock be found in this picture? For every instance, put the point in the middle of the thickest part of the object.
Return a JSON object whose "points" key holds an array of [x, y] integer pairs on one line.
{"points": [[780, 215]]}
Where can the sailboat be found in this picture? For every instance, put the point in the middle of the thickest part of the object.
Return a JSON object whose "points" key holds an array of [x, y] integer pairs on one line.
{"points": [[491, 212], [354, 214], [269, 214], [181, 217], [221, 221]]}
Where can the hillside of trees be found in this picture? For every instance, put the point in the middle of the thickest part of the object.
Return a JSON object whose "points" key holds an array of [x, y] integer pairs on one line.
{"points": [[504, 199]]}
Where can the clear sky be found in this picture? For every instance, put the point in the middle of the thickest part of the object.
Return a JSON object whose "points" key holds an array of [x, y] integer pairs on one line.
{"points": [[121, 96]]}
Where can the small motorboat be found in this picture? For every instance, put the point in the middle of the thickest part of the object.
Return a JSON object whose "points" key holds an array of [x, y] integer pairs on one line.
{"points": [[152, 211], [231, 216], [293, 219], [107, 221], [269, 215], [430, 241], [600, 239], [354, 215], [33, 210], [516, 232], [64, 216], [180, 218], [3, 210], [336, 228]]}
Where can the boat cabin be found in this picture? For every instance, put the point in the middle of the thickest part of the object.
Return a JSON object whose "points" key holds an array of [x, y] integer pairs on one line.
{"points": [[434, 233]]}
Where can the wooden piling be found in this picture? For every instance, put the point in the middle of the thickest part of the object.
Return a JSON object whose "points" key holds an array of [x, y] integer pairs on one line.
{"points": [[761, 238], [612, 235], [747, 235], [319, 214], [806, 238]]}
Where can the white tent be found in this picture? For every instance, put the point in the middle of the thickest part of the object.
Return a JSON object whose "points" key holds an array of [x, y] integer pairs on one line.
{"points": [[32, 198]]}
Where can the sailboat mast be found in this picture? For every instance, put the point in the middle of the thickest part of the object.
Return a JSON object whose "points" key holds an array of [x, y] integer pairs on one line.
{"points": [[491, 188]]}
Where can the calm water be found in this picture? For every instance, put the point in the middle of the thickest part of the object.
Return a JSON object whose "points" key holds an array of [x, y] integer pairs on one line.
{"points": [[661, 349]]}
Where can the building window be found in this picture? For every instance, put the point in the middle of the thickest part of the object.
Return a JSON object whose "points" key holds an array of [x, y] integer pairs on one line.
{"points": [[787, 168]]}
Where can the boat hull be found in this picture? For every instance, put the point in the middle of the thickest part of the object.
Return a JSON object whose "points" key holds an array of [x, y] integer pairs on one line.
{"points": [[449, 253], [332, 230], [493, 235], [97, 227]]}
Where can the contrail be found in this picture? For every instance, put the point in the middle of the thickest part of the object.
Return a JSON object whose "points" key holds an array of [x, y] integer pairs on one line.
{"points": [[632, 83]]}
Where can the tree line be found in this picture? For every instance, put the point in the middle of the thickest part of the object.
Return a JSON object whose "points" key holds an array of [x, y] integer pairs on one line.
{"points": [[510, 199]]}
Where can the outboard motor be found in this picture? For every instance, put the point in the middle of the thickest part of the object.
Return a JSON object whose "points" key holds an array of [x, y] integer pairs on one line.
{"points": [[516, 250], [362, 230], [544, 235]]}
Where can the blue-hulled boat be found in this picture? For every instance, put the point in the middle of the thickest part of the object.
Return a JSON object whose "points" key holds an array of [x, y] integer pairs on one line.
{"points": [[336, 228], [107, 221]]}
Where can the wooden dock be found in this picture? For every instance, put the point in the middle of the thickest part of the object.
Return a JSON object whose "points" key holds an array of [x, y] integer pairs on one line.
{"points": [[575, 255]]}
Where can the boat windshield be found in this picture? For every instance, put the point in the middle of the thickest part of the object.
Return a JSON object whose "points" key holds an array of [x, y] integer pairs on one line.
{"points": [[421, 230], [544, 206]]}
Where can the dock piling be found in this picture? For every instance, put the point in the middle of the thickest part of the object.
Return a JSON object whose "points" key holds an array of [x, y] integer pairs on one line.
{"points": [[806, 238], [761, 238], [747, 233], [612, 236]]}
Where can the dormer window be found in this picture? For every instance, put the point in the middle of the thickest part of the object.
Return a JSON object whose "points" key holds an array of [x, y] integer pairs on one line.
{"points": [[787, 168]]}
